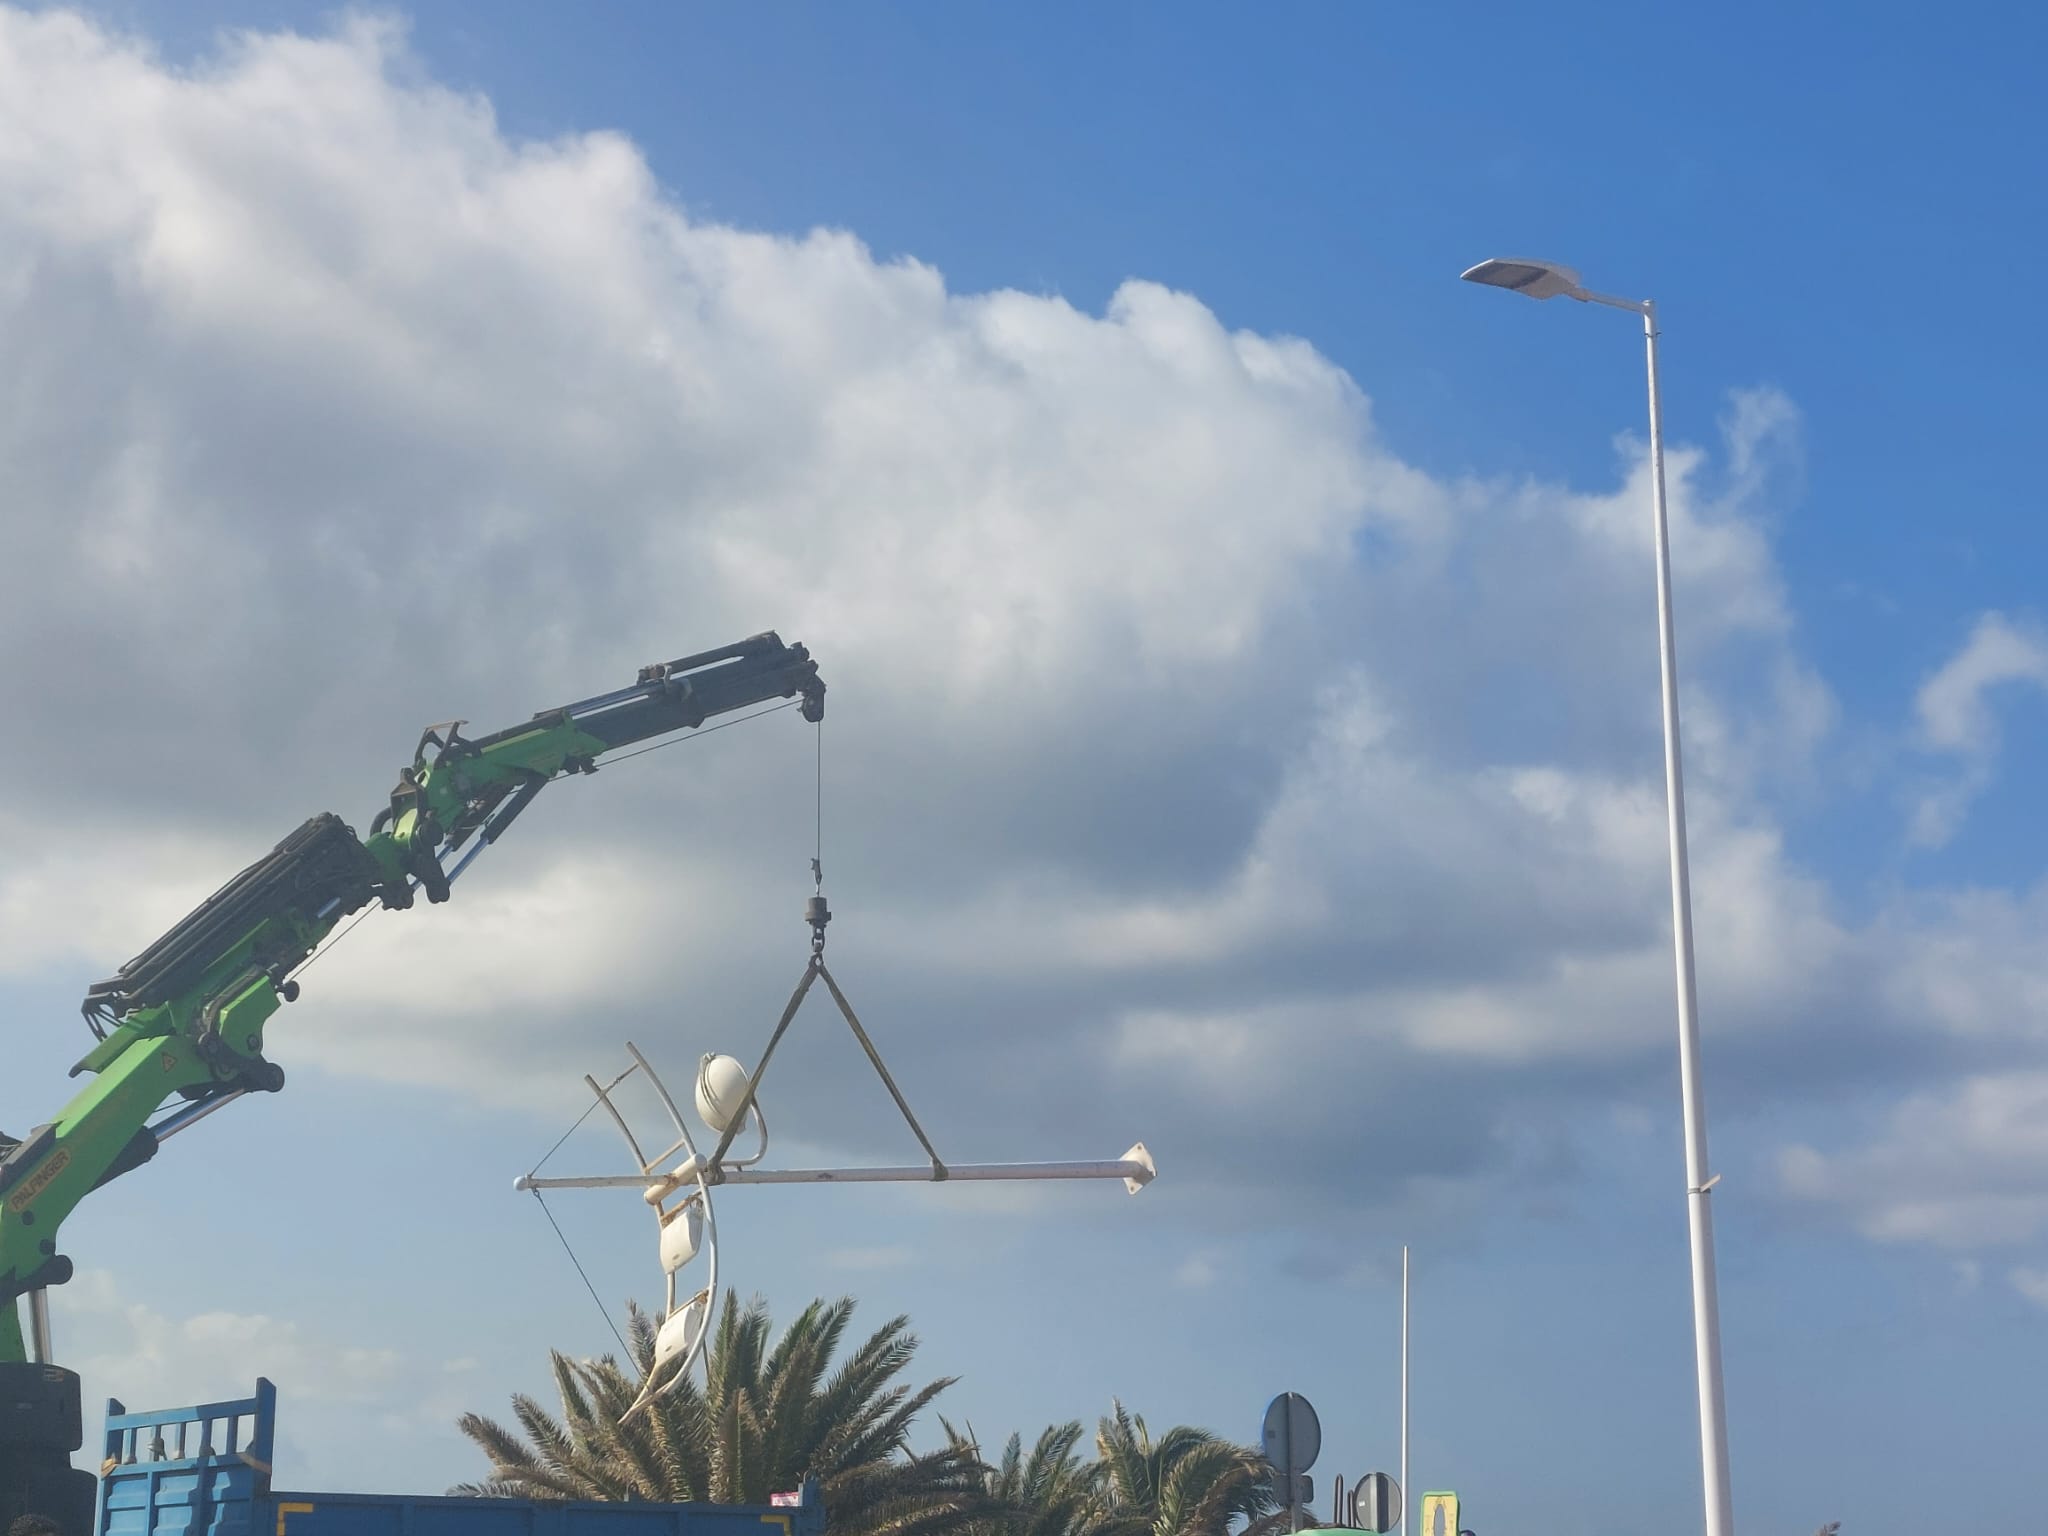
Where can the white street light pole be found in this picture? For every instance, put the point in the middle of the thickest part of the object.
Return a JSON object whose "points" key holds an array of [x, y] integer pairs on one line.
{"points": [[1407, 1497], [1548, 280]]}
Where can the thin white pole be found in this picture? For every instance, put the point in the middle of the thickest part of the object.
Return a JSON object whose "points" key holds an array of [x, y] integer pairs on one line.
{"points": [[1135, 1171], [1700, 1216], [1407, 1498], [1123, 1168]]}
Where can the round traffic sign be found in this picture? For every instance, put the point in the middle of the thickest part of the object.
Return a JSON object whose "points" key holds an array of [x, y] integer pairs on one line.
{"points": [[1293, 1435], [1376, 1503]]}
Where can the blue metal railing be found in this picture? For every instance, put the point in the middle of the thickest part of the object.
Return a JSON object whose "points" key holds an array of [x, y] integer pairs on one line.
{"points": [[195, 1471]]}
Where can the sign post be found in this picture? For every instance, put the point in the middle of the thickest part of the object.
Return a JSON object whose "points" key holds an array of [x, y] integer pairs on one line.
{"points": [[1292, 1439]]}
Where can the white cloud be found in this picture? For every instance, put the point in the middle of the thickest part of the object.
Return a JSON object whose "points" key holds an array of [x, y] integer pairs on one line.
{"points": [[584, 929], [84, 899], [217, 1355], [1197, 1272], [1969, 966], [1955, 718], [1186, 744], [1963, 1168], [615, 413], [1762, 427], [2032, 1284], [343, 1402]]}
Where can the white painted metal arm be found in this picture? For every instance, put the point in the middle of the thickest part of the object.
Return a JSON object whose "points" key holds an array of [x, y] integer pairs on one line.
{"points": [[1612, 301], [1135, 1168]]}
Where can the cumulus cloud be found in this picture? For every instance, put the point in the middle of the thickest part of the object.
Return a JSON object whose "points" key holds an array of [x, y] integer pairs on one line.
{"points": [[1188, 749]]}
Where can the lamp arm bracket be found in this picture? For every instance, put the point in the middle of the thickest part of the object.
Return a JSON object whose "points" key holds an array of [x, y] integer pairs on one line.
{"points": [[1613, 301]]}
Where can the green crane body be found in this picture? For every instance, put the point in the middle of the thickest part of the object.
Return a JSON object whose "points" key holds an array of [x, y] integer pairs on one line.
{"points": [[185, 1018]]}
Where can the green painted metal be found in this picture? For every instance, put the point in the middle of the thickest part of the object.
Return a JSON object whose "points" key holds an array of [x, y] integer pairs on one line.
{"points": [[185, 1019]]}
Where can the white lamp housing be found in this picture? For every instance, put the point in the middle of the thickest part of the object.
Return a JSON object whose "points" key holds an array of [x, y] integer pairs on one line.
{"points": [[679, 1332], [1537, 279], [721, 1085], [682, 1234]]}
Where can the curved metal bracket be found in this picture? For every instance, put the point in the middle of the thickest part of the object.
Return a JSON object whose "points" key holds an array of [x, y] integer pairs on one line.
{"points": [[685, 1226]]}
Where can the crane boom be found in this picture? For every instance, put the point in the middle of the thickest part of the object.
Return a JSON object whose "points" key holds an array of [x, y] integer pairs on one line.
{"points": [[185, 1017]]}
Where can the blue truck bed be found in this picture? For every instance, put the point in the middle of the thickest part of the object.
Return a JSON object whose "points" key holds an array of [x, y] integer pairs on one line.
{"points": [[205, 1471]]}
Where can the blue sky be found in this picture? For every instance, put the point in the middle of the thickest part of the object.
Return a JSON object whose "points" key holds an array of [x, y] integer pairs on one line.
{"points": [[1328, 864]]}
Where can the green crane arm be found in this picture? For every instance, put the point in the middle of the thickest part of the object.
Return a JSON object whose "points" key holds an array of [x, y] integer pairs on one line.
{"points": [[184, 1019]]}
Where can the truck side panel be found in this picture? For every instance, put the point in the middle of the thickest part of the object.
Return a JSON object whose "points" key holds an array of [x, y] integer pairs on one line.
{"points": [[364, 1514], [205, 1471]]}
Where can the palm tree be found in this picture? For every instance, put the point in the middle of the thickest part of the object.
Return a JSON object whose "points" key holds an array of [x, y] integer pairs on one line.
{"points": [[1187, 1483], [765, 1419], [1051, 1492]]}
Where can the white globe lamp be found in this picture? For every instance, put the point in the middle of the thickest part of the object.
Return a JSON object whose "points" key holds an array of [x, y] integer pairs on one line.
{"points": [[721, 1087]]}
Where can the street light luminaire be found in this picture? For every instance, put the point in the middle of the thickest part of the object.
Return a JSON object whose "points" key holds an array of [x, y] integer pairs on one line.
{"points": [[1538, 279]]}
